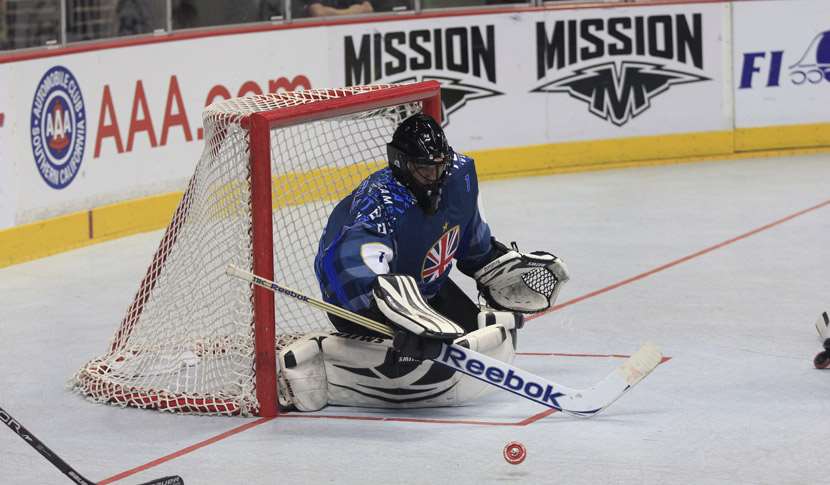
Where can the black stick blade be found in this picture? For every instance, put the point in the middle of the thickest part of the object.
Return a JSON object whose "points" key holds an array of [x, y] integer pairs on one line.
{"points": [[171, 480]]}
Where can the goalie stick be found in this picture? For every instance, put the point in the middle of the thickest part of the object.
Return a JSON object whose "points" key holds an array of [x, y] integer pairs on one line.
{"points": [[62, 465], [577, 402]]}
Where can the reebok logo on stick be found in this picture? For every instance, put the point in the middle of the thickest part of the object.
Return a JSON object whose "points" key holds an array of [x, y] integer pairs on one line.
{"points": [[456, 358]]}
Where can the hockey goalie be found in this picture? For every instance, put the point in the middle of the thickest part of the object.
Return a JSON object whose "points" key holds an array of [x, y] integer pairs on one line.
{"points": [[386, 253]]}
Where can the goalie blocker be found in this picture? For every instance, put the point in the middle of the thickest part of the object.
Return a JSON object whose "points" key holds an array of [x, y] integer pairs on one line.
{"points": [[526, 283]]}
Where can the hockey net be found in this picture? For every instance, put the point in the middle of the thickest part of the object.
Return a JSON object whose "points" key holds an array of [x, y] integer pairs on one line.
{"points": [[195, 340]]}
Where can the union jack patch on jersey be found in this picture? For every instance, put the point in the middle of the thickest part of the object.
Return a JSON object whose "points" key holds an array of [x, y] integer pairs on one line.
{"points": [[439, 257]]}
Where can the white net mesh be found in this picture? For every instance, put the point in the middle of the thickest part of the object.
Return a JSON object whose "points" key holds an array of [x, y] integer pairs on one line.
{"points": [[186, 343]]}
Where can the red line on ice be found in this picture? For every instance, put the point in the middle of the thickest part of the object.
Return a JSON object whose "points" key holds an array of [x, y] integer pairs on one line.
{"points": [[184, 451], [524, 422], [681, 260]]}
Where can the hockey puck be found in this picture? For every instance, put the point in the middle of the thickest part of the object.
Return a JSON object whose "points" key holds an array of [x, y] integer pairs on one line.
{"points": [[822, 360], [515, 453]]}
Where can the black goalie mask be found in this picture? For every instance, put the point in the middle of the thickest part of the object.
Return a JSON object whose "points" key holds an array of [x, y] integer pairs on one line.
{"points": [[419, 157]]}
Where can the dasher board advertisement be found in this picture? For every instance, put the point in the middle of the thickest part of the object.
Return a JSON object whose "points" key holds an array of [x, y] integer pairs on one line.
{"points": [[109, 125], [555, 76], [102, 126], [781, 62]]}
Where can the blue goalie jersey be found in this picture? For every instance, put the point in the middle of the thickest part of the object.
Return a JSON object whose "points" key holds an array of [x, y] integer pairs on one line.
{"points": [[380, 229]]}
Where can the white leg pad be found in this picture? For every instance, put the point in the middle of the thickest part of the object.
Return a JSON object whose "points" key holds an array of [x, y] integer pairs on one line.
{"points": [[367, 373], [347, 370], [302, 380], [494, 341]]}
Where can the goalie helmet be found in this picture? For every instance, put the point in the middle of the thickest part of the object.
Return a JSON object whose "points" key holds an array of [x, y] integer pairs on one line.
{"points": [[419, 157]]}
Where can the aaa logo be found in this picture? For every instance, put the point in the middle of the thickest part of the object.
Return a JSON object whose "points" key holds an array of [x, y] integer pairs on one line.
{"points": [[58, 127]]}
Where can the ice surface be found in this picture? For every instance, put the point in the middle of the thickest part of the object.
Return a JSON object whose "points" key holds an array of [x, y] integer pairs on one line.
{"points": [[739, 401]]}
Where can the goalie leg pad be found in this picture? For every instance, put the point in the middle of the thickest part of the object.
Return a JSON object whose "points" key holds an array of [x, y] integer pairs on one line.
{"points": [[372, 374], [348, 370], [302, 377], [494, 341], [309, 364]]}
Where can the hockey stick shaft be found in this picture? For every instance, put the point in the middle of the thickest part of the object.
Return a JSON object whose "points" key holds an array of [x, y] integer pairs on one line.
{"points": [[319, 304], [61, 465], [583, 403], [35, 443]]}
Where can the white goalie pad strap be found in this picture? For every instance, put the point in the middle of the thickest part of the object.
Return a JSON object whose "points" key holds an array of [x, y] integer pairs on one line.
{"points": [[526, 283], [400, 300], [508, 320], [485, 339]]}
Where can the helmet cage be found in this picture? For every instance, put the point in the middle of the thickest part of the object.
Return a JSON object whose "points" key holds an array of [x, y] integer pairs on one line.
{"points": [[403, 161], [427, 193]]}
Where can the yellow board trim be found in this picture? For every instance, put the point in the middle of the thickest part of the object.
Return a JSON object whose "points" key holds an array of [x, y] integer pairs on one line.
{"points": [[79, 229], [132, 217], [324, 184], [597, 155], [51, 236], [43, 238], [787, 136]]}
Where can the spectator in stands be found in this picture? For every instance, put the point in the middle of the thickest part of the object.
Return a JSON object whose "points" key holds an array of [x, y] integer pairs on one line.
{"points": [[207, 13], [326, 8], [3, 31]]}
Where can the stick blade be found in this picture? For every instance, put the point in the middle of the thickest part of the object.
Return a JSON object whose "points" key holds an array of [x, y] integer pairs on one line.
{"points": [[591, 402], [171, 480], [639, 365]]}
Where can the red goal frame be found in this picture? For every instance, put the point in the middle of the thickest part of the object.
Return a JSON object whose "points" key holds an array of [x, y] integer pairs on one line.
{"points": [[259, 126], [319, 105]]}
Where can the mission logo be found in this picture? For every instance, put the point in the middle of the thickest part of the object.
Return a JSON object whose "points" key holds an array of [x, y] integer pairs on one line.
{"points": [[618, 65], [462, 59], [58, 127]]}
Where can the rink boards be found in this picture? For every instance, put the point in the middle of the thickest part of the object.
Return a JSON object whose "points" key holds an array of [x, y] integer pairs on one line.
{"points": [[97, 140]]}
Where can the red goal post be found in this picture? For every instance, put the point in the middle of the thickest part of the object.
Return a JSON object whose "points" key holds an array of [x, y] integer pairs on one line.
{"points": [[274, 165]]}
